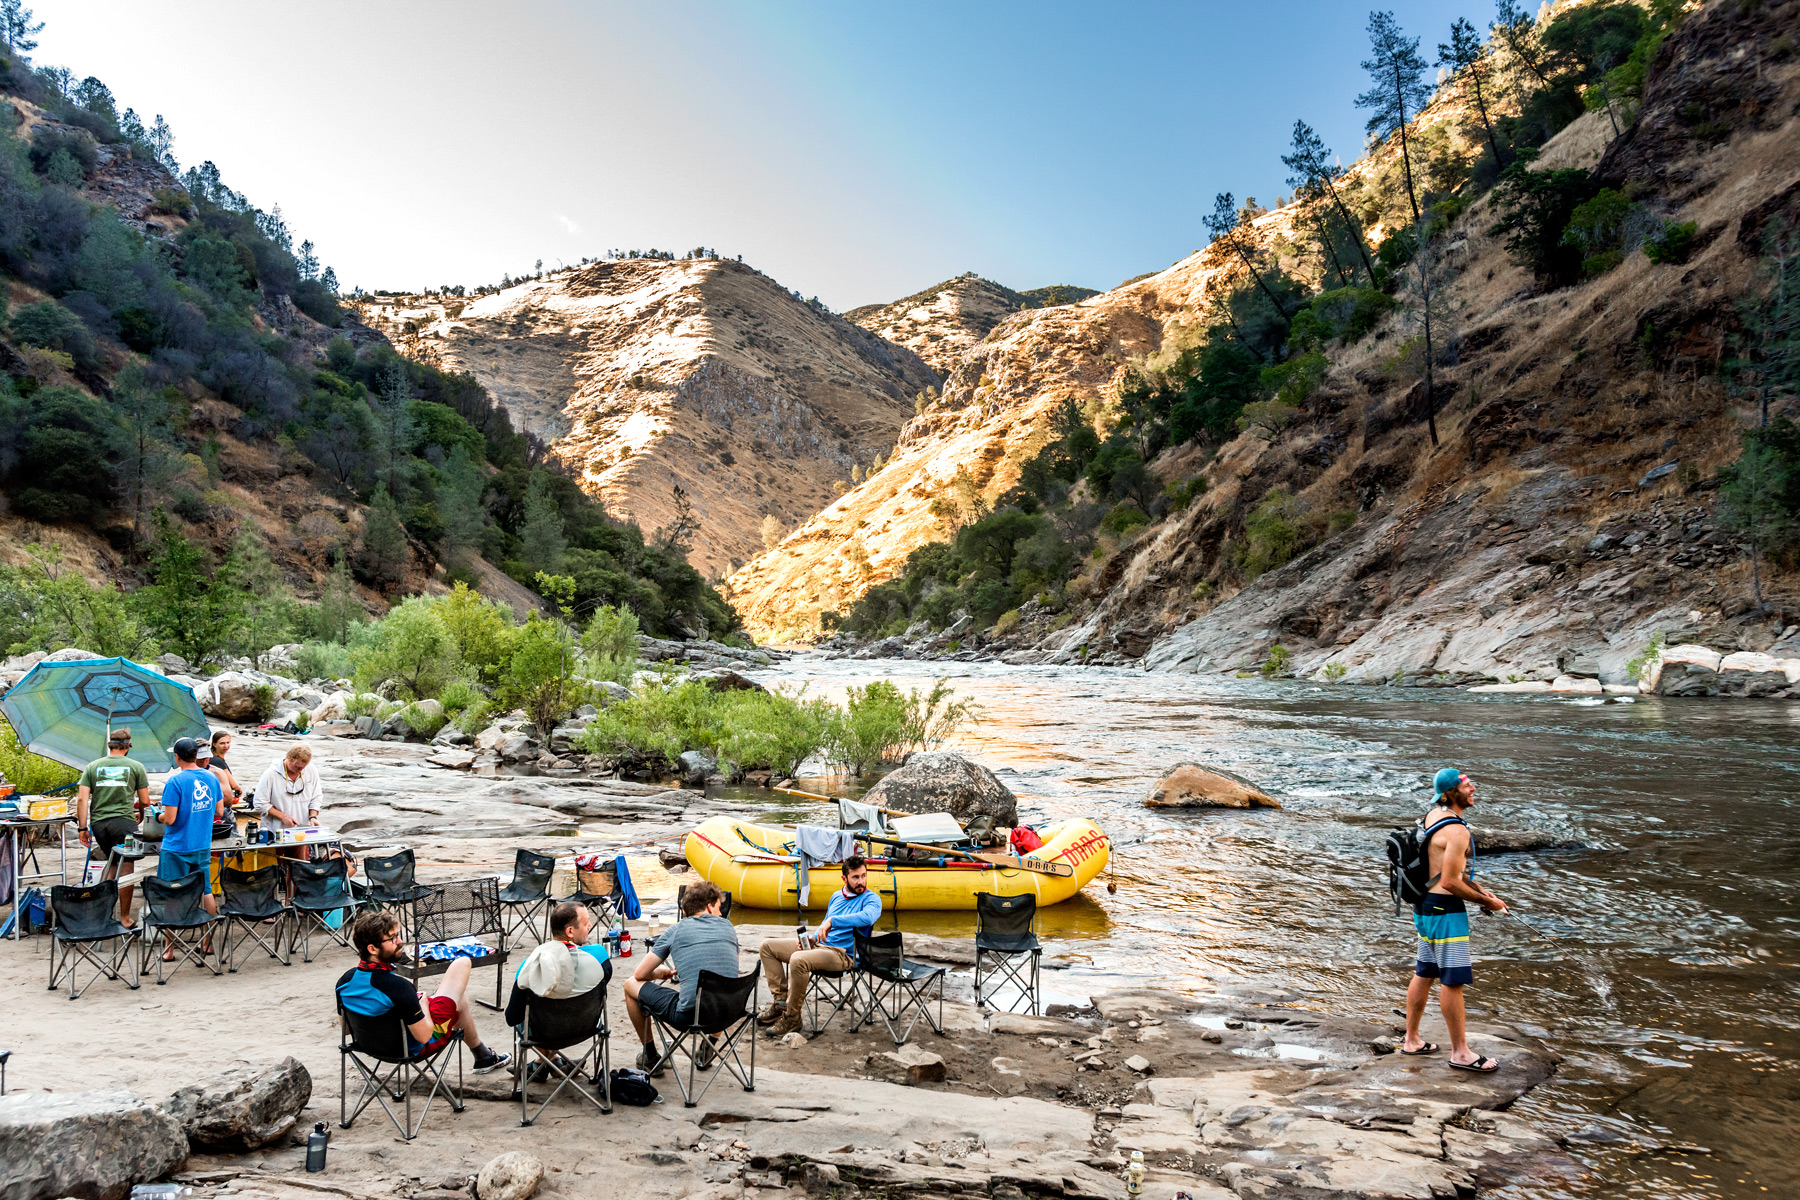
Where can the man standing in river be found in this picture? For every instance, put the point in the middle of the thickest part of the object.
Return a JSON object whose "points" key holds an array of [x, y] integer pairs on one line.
{"points": [[1442, 920]]}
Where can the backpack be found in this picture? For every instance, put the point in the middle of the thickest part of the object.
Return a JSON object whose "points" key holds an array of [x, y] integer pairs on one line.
{"points": [[633, 1087], [1409, 863]]}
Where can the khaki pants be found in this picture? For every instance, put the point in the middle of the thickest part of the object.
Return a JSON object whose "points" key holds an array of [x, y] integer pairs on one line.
{"points": [[789, 987]]}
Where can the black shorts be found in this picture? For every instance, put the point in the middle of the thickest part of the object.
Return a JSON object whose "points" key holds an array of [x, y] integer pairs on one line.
{"points": [[664, 1003], [110, 831]]}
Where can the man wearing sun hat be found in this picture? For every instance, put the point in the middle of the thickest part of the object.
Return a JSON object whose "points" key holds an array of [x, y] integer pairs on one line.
{"points": [[1442, 922]]}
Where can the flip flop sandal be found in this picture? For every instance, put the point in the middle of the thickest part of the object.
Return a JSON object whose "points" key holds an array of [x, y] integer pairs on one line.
{"points": [[1427, 1048], [1481, 1066]]}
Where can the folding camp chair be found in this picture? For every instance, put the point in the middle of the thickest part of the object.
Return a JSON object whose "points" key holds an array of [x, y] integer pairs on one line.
{"points": [[556, 1025], [598, 892], [80, 919], [391, 882], [250, 903], [316, 891], [896, 985], [1007, 949], [527, 898], [723, 1006], [394, 1063], [172, 909]]}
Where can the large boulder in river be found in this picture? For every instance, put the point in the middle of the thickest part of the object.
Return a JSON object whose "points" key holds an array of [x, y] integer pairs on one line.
{"points": [[1687, 670], [93, 1145], [1190, 785], [244, 1108], [942, 781], [230, 696], [1747, 673]]}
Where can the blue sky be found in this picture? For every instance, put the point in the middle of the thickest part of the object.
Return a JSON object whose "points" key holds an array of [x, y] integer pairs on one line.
{"points": [[855, 151]]}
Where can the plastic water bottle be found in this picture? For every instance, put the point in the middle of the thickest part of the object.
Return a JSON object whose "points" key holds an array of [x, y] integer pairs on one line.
{"points": [[1134, 1174], [316, 1143]]}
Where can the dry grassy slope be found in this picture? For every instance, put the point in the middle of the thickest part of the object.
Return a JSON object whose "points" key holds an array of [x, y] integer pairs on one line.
{"points": [[994, 407], [941, 323], [644, 374], [1480, 557]]}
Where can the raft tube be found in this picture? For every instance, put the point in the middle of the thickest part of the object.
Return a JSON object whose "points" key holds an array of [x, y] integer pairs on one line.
{"points": [[748, 861]]}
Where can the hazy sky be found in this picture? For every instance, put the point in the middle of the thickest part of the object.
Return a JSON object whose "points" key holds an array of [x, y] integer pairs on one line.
{"points": [[856, 151]]}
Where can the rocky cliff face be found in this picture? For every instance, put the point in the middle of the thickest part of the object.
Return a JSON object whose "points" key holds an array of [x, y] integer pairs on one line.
{"points": [[1565, 517], [645, 375], [942, 323]]}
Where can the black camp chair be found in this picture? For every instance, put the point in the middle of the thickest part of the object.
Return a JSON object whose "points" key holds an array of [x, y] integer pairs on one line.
{"points": [[172, 909], [598, 892], [316, 891], [556, 1025], [391, 882], [1006, 949], [81, 918], [897, 985], [527, 898], [723, 1006], [389, 1062], [253, 911]]}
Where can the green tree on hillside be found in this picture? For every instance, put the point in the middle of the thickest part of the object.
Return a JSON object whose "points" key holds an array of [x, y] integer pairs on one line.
{"points": [[542, 544], [265, 603], [1314, 176], [143, 443], [1467, 58], [1398, 89], [184, 606], [385, 554], [17, 28], [1227, 224], [1756, 494]]}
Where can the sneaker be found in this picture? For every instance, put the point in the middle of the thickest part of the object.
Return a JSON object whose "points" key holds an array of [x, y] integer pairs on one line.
{"points": [[771, 1014], [486, 1060], [703, 1057], [789, 1023], [649, 1061]]}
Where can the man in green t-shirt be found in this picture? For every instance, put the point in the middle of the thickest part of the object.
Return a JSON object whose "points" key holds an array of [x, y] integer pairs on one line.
{"points": [[114, 790]]}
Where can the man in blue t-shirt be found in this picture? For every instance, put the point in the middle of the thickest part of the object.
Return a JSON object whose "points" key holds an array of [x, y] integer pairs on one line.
{"points": [[788, 966], [191, 801]]}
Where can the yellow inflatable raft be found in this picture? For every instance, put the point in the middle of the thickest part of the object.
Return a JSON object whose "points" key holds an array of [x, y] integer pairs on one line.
{"points": [[754, 863]]}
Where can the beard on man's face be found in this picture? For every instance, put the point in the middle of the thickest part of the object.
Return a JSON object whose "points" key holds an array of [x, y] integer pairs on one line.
{"points": [[857, 887]]}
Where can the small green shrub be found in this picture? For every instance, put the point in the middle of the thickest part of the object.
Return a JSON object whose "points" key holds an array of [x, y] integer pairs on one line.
{"points": [[1266, 418], [1006, 622], [1123, 518], [1182, 492], [1635, 668], [1335, 671], [1277, 661], [363, 704], [322, 660], [953, 645], [1272, 532], [1672, 243], [265, 701], [423, 721], [476, 717], [1339, 521], [872, 727], [1600, 264], [457, 695], [388, 708]]}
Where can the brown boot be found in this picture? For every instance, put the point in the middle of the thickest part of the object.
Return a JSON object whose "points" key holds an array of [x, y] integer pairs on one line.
{"points": [[771, 1014], [789, 1023]]}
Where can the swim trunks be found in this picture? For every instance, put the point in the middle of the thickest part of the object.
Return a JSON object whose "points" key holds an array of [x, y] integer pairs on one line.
{"points": [[1443, 926]]}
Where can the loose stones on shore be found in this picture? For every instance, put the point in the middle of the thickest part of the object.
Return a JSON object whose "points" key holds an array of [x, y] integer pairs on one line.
{"points": [[512, 1176], [1190, 785]]}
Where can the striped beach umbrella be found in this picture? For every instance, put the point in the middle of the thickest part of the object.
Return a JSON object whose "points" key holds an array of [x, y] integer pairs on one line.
{"points": [[66, 710]]}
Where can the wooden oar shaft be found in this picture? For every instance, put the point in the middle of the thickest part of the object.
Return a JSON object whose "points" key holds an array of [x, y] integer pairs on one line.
{"points": [[887, 812]]}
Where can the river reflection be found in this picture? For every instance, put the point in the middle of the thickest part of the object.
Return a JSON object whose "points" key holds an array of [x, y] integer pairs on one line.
{"points": [[1661, 961]]}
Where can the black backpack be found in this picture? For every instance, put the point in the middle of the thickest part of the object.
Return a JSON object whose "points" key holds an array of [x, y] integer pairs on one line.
{"points": [[1409, 864], [633, 1087]]}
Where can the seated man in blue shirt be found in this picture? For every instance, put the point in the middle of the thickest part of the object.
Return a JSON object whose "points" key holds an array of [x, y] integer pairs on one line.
{"points": [[373, 989], [788, 966]]}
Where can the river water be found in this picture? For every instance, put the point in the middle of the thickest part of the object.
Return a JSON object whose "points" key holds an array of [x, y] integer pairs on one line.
{"points": [[1663, 962]]}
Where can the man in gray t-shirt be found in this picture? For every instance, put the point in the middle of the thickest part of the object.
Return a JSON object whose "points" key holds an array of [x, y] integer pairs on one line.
{"points": [[701, 941]]}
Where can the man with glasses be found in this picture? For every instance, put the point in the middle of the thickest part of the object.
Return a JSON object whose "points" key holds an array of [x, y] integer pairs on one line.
{"points": [[372, 989]]}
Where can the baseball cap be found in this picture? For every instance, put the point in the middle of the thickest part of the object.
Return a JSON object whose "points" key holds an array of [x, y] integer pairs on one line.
{"points": [[1446, 780], [185, 749], [202, 749]]}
